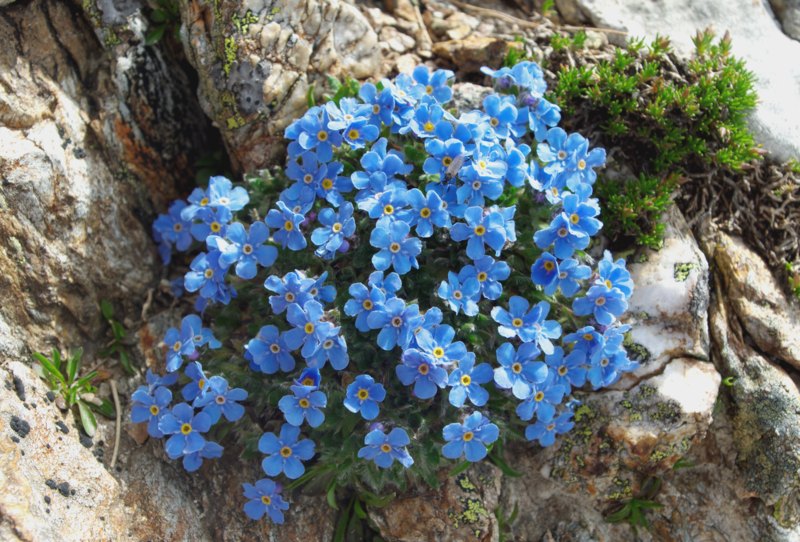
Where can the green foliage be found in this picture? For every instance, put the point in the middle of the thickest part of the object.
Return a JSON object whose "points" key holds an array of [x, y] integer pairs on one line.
{"points": [[665, 124], [504, 522], [342, 89], [164, 17], [633, 511], [794, 279], [117, 346], [548, 7], [62, 375]]}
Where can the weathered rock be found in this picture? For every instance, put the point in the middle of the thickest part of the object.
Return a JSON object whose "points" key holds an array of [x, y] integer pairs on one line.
{"points": [[788, 13], [668, 310], [462, 509], [756, 39], [755, 297], [257, 61], [469, 96], [471, 54]]}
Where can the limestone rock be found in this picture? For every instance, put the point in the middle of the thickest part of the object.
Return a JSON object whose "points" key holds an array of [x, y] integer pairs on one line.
{"points": [[257, 61], [470, 54], [788, 13], [668, 310], [755, 38], [462, 509], [755, 297]]}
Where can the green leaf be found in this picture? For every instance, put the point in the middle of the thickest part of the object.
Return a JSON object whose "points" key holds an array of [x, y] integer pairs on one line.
{"points": [[620, 515], [88, 420], [106, 408], [57, 359], [357, 508], [330, 496], [501, 464], [461, 467], [125, 361], [376, 501], [73, 363], [117, 330], [85, 381], [49, 367], [158, 16], [107, 309], [341, 524], [155, 35]]}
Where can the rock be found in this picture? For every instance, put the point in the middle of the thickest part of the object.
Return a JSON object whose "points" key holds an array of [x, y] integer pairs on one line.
{"points": [[755, 38], [462, 509], [668, 310], [764, 312], [766, 417], [392, 40], [469, 96], [469, 55], [788, 13], [256, 61], [570, 11]]}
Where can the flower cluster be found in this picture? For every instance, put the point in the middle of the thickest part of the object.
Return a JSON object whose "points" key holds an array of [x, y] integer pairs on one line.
{"points": [[417, 204]]}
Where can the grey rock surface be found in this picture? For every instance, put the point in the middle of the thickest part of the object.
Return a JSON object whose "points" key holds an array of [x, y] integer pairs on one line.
{"points": [[788, 13], [757, 39]]}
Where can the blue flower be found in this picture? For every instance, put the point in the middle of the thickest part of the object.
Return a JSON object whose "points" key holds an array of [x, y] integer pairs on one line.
{"points": [[213, 221], [311, 132], [321, 292], [179, 344], [547, 271], [571, 229], [333, 349], [568, 370], [264, 498], [465, 382], [427, 211], [363, 395], [609, 360], [380, 160], [292, 288], [309, 378], [154, 380], [149, 406], [397, 321], [381, 103], [185, 427], [542, 401], [587, 339], [435, 84], [389, 285], [385, 449], [519, 369], [483, 178], [267, 352], [208, 277], [518, 168], [604, 303], [222, 194], [469, 438], [437, 340], [220, 400], [420, 369], [489, 273], [362, 303], [397, 249], [347, 113], [445, 157], [198, 385], [389, 205], [359, 133], [614, 275], [244, 249], [172, 230], [426, 119], [304, 404], [198, 200], [460, 296], [530, 326], [501, 113], [193, 461], [545, 432], [287, 222], [285, 453], [480, 230], [309, 329], [336, 226]]}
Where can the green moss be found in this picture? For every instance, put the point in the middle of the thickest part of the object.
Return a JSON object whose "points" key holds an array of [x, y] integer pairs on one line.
{"points": [[230, 54], [242, 24], [463, 481], [681, 271]]}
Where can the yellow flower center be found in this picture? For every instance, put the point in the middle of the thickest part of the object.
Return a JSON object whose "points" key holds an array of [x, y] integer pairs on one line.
{"points": [[309, 328], [516, 322], [327, 184], [438, 352], [303, 403], [588, 336], [215, 227], [581, 164], [424, 212], [394, 247], [539, 396], [353, 134], [600, 301], [466, 380], [367, 304], [176, 346], [516, 368], [363, 394], [247, 249], [322, 135], [446, 161], [376, 109], [178, 227], [424, 369], [201, 383], [337, 227], [551, 426], [428, 89], [608, 284], [286, 452], [307, 381], [494, 122], [154, 410], [289, 297], [203, 202], [482, 276], [549, 266], [603, 362], [266, 500], [428, 126], [208, 273], [479, 230], [288, 226], [457, 294], [385, 448], [186, 428], [562, 370], [388, 209], [574, 218], [468, 436]]}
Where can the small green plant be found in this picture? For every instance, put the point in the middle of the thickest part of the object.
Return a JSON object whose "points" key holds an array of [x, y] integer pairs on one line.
{"points": [[633, 511], [62, 375], [166, 16], [504, 522], [117, 346], [794, 279], [668, 127]]}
